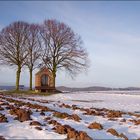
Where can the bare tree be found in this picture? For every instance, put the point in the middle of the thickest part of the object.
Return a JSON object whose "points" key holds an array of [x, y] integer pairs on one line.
{"points": [[63, 48], [34, 49], [13, 51]]}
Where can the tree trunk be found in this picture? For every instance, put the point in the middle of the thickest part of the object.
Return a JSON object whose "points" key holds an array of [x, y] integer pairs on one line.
{"points": [[54, 79], [54, 73], [18, 78], [30, 79]]}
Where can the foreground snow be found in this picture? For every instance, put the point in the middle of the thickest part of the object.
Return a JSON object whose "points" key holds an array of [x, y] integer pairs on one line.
{"points": [[16, 130], [124, 102]]}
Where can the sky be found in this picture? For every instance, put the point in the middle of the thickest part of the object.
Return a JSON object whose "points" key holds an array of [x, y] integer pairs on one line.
{"points": [[110, 31]]}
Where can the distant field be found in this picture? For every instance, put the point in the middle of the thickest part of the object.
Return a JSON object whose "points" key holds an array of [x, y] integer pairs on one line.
{"points": [[118, 100], [133, 92]]}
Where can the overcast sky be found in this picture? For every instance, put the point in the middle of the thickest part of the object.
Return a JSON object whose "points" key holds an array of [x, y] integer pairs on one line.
{"points": [[110, 31]]}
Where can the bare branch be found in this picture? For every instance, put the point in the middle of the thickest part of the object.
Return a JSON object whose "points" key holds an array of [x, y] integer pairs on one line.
{"points": [[64, 48], [13, 49]]}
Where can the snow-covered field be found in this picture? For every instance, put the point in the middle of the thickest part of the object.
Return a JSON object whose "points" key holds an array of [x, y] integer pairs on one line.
{"points": [[118, 100], [88, 107]]}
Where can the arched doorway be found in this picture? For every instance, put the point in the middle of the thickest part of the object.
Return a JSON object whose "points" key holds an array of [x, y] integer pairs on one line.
{"points": [[44, 80]]}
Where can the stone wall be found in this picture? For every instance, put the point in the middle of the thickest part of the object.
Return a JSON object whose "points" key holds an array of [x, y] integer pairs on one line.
{"points": [[39, 75]]}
